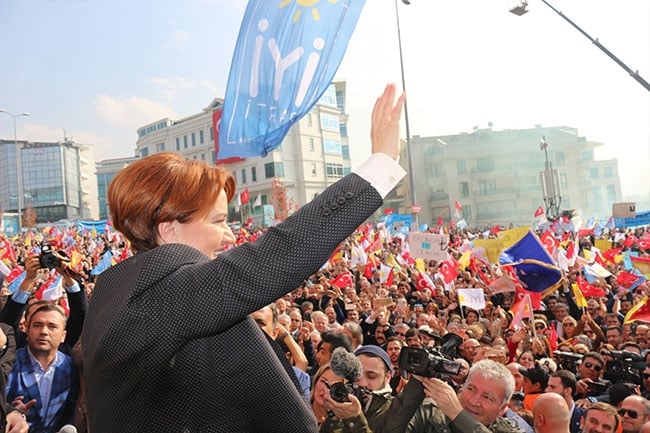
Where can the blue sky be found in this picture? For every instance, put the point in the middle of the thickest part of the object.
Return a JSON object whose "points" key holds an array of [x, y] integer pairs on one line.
{"points": [[101, 69]]}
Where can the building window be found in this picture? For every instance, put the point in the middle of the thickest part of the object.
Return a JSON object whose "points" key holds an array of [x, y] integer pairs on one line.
{"points": [[487, 187], [144, 152], [332, 147], [211, 134], [461, 166], [563, 183], [253, 174], [160, 147], [608, 171], [464, 189], [178, 143], [329, 96], [594, 173], [329, 122], [586, 155], [309, 120], [611, 193], [243, 175], [273, 169], [334, 170], [314, 171], [201, 138], [184, 141], [343, 129], [484, 165], [193, 139], [312, 146]]}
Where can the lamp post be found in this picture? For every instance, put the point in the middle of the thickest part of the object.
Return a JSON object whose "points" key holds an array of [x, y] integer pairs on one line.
{"points": [[414, 207], [19, 166], [522, 8]]}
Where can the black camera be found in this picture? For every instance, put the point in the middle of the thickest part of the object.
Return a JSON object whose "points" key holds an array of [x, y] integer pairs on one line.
{"points": [[48, 259], [626, 367], [599, 387], [567, 360], [431, 361], [340, 391]]}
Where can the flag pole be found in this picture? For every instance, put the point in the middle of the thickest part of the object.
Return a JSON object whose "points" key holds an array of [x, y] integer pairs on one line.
{"points": [[530, 306]]}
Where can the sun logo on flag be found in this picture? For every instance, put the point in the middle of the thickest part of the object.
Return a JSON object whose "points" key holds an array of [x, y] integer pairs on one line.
{"points": [[304, 4]]}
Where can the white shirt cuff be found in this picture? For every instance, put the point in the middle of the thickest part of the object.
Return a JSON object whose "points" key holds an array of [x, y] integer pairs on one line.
{"points": [[382, 171]]}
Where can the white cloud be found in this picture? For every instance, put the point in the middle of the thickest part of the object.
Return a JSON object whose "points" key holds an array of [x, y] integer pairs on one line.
{"points": [[181, 36], [172, 87], [132, 112]]}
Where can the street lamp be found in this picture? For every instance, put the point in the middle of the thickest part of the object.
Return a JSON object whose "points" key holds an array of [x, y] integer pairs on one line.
{"points": [[411, 175], [19, 166], [521, 8]]}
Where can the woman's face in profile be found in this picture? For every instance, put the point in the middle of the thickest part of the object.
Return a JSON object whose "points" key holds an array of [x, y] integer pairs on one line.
{"points": [[209, 234]]}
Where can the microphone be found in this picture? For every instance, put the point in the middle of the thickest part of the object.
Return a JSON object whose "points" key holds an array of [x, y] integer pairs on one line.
{"points": [[68, 428], [346, 365]]}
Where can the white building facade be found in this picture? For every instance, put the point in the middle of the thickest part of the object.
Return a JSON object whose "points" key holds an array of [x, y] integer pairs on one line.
{"points": [[313, 155]]}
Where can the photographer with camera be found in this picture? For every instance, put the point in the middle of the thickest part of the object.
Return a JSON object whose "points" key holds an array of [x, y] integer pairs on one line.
{"points": [[37, 269], [589, 373], [363, 401], [478, 408]]}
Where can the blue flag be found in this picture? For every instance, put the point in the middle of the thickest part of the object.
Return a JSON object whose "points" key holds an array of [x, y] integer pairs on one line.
{"points": [[15, 284], [534, 266], [104, 263], [286, 57]]}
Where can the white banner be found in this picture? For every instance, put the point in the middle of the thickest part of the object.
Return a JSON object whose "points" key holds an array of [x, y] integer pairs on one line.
{"points": [[472, 298], [430, 246]]}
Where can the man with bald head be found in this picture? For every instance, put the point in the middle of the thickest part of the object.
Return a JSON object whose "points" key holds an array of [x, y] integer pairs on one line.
{"points": [[634, 412], [550, 414]]}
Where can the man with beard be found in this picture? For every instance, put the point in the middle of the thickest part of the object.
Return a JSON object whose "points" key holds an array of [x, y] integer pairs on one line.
{"points": [[359, 415]]}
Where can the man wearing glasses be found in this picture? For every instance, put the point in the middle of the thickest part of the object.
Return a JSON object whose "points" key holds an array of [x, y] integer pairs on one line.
{"points": [[589, 371], [634, 412]]}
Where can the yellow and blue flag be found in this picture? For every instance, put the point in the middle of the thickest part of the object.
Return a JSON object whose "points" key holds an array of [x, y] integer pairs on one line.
{"points": [[533, 265]]}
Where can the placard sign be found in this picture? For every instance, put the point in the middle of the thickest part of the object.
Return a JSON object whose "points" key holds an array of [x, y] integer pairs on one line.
{"points": [[431, 246]]}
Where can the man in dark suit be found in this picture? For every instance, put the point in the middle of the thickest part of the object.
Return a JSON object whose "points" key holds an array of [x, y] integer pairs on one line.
{"points": [[169, 344], [563, 382]]}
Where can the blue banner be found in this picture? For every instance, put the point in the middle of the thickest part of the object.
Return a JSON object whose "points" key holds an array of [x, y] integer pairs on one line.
{"points": [[642, 219], [286, 57]]}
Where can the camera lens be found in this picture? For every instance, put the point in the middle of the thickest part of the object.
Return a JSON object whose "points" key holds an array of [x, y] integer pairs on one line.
{"points": [[339, 392]]}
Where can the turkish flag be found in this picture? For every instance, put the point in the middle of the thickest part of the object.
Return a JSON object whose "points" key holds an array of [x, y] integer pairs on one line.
{"points": [[424, 282], [539, 212], [449, 270], [589, 290], [644, 243], [535, 297], [342, 280], [549, 241], [244, 196]]}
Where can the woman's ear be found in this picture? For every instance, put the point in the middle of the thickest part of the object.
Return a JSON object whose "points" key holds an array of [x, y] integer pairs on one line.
{"points": [[167, 232]]}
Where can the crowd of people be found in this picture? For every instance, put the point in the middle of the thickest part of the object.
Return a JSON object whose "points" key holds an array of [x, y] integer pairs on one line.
{"points": [[595, 361], [169, 321]]}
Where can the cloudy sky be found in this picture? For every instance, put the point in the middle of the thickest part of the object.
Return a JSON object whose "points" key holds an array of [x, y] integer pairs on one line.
{"points": [[99, 70]]}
